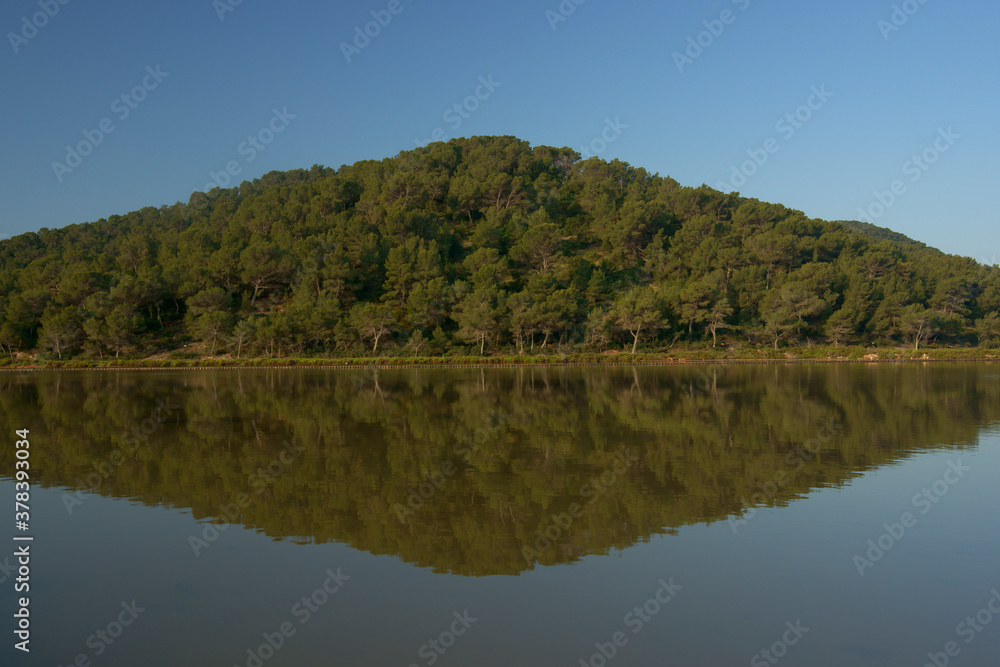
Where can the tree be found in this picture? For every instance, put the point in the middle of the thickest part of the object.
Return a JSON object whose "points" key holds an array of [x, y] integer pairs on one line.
{"points": [[522, 320], [276, 331], [61, 331], [693, 301], [429, 303], [801, 302], [538, 247], [636, 310], [556, 313], [372, 321], [779, 318], [918, 323], [20, 323], [243, 334], [717, 314], [478, 315], [210, 314], [599, 329], [487, 268], [263, 265], [122, 326], [415, 262], [320, 320], [988, 329], [840, 327]]}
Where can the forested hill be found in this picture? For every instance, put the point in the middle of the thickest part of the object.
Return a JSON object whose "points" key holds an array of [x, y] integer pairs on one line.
{"points": [[877, 233], [483, 243]]}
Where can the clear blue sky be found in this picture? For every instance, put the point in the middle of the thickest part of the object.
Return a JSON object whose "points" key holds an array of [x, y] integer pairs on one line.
{"points": [[607, 60]]}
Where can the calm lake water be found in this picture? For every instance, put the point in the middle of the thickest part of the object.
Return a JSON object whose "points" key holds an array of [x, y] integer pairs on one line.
{"points": [[793, 515]]}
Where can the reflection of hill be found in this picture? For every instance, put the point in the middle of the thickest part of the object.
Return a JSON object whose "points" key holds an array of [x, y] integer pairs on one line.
{"points": [[704, 439]]}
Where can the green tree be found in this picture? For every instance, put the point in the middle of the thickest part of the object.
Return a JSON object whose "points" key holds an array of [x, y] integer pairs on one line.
{"points": [[61, 331], [538, 247], [637, 310], [718, 312], [988, 330], [478, 316], [918, 323], [211, 315], [263, 265], [122, 325], [243, 334], [372, 321]]}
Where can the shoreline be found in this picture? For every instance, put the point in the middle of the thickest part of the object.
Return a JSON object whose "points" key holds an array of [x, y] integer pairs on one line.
{"points": [[679, 358]]}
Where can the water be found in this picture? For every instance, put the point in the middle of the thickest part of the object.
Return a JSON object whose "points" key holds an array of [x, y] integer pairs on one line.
{"points": [[829, 515]]}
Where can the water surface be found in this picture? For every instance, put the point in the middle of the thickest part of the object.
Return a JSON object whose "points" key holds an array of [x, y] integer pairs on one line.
{"points": [[834, 515]]}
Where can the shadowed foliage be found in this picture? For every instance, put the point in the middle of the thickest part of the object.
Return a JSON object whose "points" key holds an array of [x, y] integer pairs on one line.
{"points": [[499, 453]]}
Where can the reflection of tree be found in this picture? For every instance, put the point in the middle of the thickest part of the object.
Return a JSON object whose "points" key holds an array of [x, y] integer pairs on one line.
{"points": [[536, 438]]}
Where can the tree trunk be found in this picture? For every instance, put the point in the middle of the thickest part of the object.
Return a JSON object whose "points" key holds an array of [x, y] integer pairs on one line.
{"points": [[635, 338]]}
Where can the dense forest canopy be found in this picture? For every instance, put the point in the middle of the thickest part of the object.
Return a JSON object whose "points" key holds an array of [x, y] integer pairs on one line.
{"points": [[509, 448], [482, 244]]}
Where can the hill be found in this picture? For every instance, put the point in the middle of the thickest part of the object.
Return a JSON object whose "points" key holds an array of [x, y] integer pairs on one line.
{"points": [[480, 244], [876, 233]]}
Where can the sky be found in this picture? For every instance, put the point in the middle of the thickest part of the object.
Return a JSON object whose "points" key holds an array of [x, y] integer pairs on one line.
{"points": [[858, 109]]}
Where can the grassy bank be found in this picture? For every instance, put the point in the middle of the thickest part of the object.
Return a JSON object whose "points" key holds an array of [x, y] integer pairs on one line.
{"points": [[674, 356]]}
